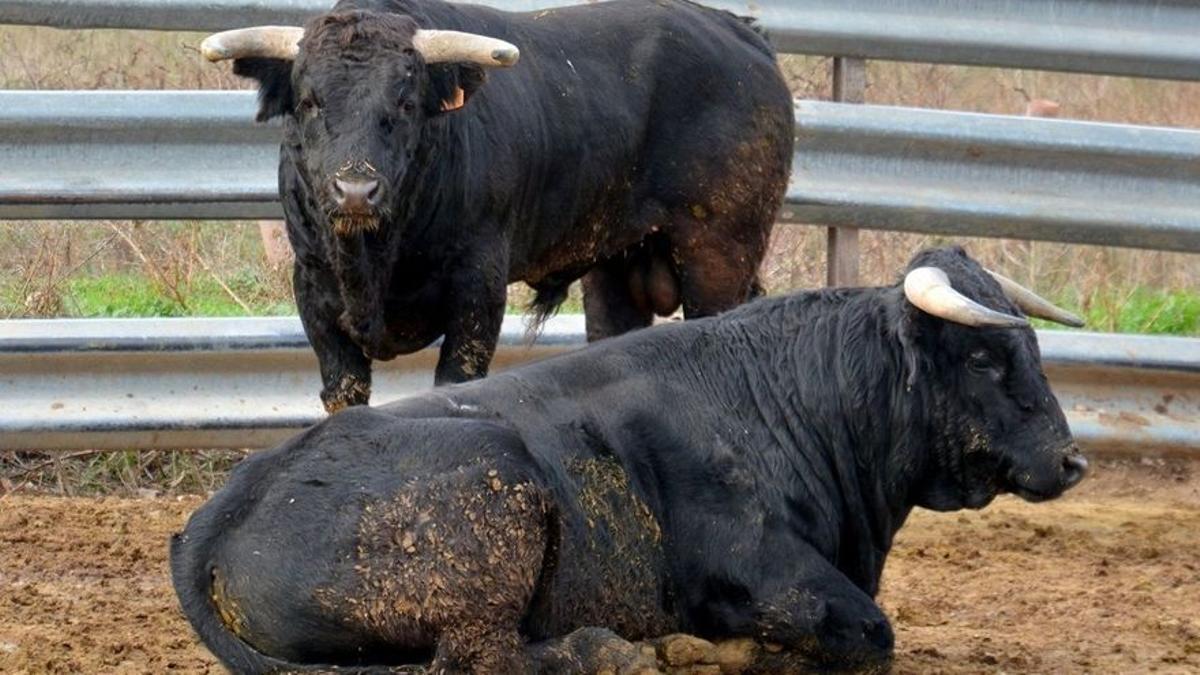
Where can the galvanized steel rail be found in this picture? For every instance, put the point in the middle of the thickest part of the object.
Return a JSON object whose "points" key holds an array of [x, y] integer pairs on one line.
{"points": [[965, 174], [135, 155], [161, 383], [174, 154], [1144, 38]]}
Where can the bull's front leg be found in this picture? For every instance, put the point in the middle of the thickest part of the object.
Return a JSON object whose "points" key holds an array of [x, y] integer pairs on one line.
{"points": [[477, 294], [822, 618], [345, 370]]}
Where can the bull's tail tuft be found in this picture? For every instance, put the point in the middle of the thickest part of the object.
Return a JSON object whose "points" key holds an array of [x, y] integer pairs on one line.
{"points": [[548, 297], [191, 575]]}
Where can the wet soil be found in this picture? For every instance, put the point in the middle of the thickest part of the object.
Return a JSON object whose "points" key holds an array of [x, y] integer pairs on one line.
{"points": [[1104, 580]]}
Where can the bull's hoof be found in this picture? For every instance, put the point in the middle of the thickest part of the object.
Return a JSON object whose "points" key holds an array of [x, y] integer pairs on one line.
{"points": [[593, 651], [349, 391], [681, 654]]}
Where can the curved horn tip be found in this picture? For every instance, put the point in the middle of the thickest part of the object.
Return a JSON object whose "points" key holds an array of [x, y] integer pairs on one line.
{"points": [[1071, 319], [506, 57], [213, 50], [1033, 304]]}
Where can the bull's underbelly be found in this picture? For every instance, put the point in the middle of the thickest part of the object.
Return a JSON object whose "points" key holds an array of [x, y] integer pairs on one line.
{"points": [[593, 236]]}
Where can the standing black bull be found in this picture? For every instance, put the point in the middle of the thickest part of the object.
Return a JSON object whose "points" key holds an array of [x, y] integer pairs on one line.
{"points": [[644, 144], [736, 476]]}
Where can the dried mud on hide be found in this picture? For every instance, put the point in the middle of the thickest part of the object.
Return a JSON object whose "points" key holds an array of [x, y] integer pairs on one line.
{"points": [[1105, 580]]}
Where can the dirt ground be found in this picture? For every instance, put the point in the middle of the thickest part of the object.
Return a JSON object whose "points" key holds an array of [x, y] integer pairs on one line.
{"points": [[1104, 580]]}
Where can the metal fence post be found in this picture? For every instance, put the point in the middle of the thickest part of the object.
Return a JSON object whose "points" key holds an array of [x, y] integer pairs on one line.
{"points": [[841, 243]]}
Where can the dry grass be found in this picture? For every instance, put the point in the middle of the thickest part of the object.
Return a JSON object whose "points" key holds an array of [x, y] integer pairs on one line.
{"points": [[127, 473]]}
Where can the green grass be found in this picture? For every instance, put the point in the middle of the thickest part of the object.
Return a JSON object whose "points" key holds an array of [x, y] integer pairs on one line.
{"points": [[133, 295], [123, 472], [1146, 311], [1142, 310]]}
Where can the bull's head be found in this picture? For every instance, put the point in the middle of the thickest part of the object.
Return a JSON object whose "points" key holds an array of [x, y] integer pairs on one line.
{"points": [[359, 88], [974, 364]]}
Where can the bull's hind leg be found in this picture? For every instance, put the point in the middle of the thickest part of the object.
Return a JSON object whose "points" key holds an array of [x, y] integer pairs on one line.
{"points": [[716, 258], [450, 563]]}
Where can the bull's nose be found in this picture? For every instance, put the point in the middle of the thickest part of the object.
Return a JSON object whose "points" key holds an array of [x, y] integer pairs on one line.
{"points": [[1075, 467], [356, 196]]}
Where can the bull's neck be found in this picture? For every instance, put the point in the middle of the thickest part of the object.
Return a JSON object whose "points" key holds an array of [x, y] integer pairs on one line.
{"points": [[366, 263], [831, 365]]}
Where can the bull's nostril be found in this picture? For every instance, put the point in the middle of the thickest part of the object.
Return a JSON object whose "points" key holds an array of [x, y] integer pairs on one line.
{"points": [[356, 196], [1075, 467]]}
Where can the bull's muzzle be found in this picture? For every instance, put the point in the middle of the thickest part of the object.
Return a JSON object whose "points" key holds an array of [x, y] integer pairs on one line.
{"points": [[1049, 477], [357, 200], [357, 197]]}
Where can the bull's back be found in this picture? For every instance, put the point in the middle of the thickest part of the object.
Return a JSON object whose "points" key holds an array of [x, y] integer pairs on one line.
{"points": [[616, 112]]}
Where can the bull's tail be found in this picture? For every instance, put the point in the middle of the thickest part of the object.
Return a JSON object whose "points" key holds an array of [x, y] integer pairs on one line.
{"points": [[191, 574], [546, 300]]}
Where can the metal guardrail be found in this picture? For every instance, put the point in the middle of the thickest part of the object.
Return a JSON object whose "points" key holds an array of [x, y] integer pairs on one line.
{"points": [[200, 155], [157, 383], [127, 154], [191, 383], [965, 174], [1144, 38]]}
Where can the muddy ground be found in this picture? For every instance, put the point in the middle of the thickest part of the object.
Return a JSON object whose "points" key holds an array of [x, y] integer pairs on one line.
{"points": [[1104, 580]]}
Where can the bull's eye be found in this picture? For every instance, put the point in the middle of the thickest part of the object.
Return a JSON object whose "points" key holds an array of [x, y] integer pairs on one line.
{"points": [[407, 106], [308, 107], [981, 361]]}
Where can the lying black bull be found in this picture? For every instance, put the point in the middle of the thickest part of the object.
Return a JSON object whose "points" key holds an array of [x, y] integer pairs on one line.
{"points": [[736, 476], [644, 144]]}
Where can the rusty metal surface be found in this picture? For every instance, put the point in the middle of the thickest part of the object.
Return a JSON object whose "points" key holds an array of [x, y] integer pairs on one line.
{"points": [[1145, 38], [202, 383], [1127, 393]]}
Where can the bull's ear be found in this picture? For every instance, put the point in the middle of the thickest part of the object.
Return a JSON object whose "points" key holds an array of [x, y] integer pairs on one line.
{"points": [[451, 85], [274, 78], [916, 333]]}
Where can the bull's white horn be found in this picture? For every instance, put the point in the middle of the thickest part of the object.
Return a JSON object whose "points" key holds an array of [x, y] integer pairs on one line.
{"points": [[929, 289], [1033, 304], [272, 42], [444, 46]]}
